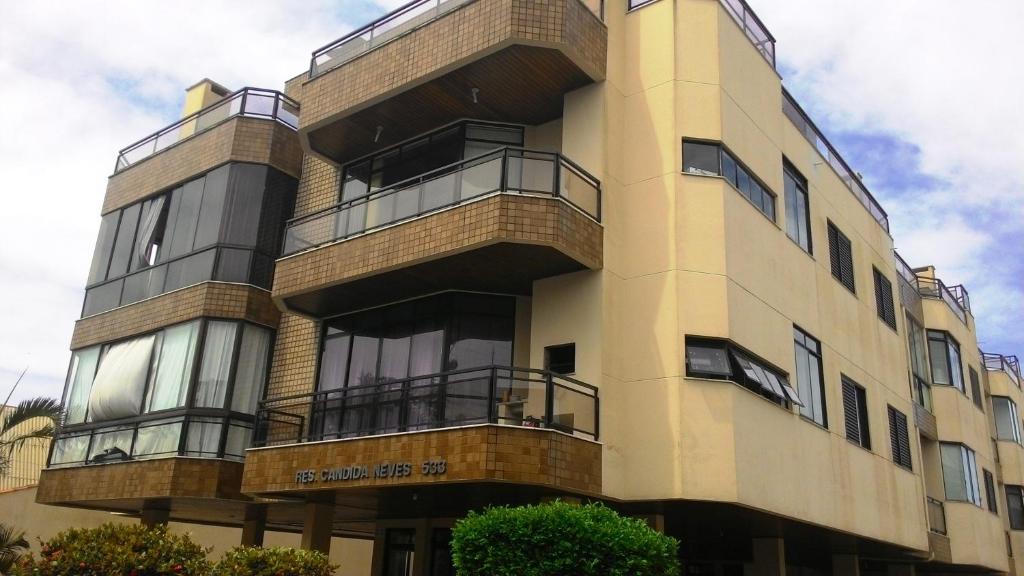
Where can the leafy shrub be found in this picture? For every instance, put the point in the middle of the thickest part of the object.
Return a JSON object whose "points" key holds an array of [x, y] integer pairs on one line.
{"points": [[116, 550], [244, 561], [560, 539]]}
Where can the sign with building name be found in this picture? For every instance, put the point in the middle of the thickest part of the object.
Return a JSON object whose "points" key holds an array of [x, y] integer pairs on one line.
{"points": [[379, 471]]}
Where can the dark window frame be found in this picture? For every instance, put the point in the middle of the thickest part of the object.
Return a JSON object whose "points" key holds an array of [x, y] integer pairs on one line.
{"points": [[777, 390], [899, 438], [950, 343], [977, 394], [840, 250], [972, 487], [990, 491], [801, 341], [770, 211], [857, 424], [803, 188], [631, 5], [885, 303], [1015, 513]]}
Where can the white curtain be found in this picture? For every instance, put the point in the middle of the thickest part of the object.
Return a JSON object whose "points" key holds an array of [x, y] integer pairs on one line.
{"points": [[216, 369], [173, 368], [203, 438], [83, 368], [252, 369], [121, 380], [158, 439], [146, 230]]}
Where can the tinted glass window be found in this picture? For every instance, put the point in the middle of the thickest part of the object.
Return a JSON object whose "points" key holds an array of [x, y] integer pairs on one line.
{"points": [[122, 254], [211, 209], [702, 158], [104, 247]]}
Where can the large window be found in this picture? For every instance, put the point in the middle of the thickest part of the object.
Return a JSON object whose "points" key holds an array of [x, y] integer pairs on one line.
{"points": [[840, 251], [798, 207], [164, 393], [976, 393], [855, 412], [423, 154], [225, 225], [944, 354], [722, 360], [899, 438], [1004, 412], [809, 377], [960, 473], [884, 303], [712, 159], [1015, 506], [364, 352], [918, 362]]}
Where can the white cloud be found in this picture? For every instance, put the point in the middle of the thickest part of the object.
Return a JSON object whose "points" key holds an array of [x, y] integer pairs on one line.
{"points": [[84, 79], [945, 77]]}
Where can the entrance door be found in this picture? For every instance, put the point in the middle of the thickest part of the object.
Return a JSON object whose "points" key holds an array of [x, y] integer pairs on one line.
{"points": [[399, 551]]}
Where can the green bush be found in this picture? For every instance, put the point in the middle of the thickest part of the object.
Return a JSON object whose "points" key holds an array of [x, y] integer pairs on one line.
{"points": [[116, 550], [560, 539], [243, 561]]}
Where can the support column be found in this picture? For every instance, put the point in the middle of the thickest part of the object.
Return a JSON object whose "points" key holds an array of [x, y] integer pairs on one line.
{"points": [[317, 526], [254, 525], [845, 565], [901, 570], [769, 558], [155, 513]]}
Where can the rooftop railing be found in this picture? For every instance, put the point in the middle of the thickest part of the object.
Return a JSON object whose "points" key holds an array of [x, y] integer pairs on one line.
{"points": [[752, 26], [392, 25], [505, 171], [934, 288], [806, 126], [250, 102], [485, 395], [1008, 364]]}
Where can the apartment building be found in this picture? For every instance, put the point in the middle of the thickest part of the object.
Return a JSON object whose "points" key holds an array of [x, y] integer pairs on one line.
{"points": [[490, 252]]}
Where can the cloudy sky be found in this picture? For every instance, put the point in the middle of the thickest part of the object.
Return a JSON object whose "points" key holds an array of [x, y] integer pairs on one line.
{"points": [[922, 97]]}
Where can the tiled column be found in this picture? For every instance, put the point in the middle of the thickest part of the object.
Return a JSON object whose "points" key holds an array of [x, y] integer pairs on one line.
{"points": [[769, 558], [254, 525], [845, 565], [317, 526]]}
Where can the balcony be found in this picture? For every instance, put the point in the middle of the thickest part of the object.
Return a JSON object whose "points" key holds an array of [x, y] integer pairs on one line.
{"points": [[250, 125], [495, 222], [955, 297], [405, 72], [1010, 365], [488, 424], [488, 395]]}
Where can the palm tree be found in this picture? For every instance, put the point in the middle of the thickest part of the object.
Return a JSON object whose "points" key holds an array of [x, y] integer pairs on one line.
{"points": [[36, 418]]}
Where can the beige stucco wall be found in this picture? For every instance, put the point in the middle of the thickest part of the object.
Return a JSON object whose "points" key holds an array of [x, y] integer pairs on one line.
{"points": [[39, 522]]}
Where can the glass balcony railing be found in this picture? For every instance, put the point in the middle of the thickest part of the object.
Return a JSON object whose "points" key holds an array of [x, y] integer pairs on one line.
{"points": [[752, 26], [390, 26], [806, 127], [505, 170], [485, 395], [249, 102], [1008, 364], [934, 288]]}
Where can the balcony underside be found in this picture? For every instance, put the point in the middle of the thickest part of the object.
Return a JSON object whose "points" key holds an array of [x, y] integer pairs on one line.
{"points": [[498, 244], [517, 84]]}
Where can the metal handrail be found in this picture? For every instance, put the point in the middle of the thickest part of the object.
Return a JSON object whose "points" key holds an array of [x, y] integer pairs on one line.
{"points": [[388, 27], [504, 154], [792, 110], [935, 289], [751, 24], [1000, 363], [279, 112], [340, 405]]}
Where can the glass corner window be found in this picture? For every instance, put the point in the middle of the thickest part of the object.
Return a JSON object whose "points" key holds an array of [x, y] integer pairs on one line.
{"points": [[189, 389]]}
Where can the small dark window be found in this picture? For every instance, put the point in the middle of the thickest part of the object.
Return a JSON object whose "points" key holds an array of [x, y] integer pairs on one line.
{"points": [[702, 158], [1015, 506], [798, 207], [856, 411], [975, 388], [841, 255], [561, 359], [990, 491], [899, 436], [883, 299]]}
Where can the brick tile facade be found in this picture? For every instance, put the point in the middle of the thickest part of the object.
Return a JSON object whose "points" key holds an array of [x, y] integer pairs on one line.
{"points": [[214, 299], [478, 453], [239, 139], [500, 218], [478, 28], [319, 188], [158, 478], [295, 357]]}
